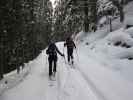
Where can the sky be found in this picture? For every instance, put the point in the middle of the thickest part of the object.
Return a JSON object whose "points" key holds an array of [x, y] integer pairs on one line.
{"points": [[53, 2]]}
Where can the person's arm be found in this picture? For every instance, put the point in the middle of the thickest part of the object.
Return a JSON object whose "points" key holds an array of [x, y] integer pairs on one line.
{"points": [[74, 44], [58, 51], [47, 51]]}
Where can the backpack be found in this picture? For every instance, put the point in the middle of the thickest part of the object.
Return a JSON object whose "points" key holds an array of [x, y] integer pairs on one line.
{"points": [[51, 50]]}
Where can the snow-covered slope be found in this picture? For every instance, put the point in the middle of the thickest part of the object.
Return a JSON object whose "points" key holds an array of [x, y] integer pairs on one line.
{"points": [[113, 76], [102, 71], [129, 13], [12, 79], [69, 84]]}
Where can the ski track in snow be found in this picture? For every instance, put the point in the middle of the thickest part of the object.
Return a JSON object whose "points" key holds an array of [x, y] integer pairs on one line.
{"points": [[91, 85], [69, 84], [87, 80]]}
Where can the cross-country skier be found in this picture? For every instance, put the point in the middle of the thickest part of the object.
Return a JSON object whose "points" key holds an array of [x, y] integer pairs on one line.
{"points": [[70, 46], [52, 59]]}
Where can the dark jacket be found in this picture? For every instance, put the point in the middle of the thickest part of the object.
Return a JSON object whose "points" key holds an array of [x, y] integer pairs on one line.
{"points": [[69, 43], [53, 50]]}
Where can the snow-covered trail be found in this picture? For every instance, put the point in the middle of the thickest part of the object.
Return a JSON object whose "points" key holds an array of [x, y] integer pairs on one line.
{"points": [[32, 87], [88, 80], [105, 82], [69, 84]]}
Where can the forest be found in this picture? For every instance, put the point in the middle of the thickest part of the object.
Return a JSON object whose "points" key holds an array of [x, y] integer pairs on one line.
{"points": [[27, 26]]}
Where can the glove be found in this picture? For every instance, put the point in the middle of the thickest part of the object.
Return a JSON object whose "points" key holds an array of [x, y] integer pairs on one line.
{"points": [[47, 52], [63, 55], [64, 44]]}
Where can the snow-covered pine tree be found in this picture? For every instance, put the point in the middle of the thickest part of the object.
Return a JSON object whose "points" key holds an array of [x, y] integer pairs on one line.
{"points": [[22, 22]]}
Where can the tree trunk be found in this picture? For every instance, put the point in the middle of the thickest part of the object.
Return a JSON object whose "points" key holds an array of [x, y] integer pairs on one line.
{"points": [[119, 5], [110, 24], [86, 20], [121, 14], [1, 65]]}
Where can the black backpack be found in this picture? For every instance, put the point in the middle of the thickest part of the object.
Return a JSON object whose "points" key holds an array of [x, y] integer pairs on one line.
{"points": [[51, 51]]}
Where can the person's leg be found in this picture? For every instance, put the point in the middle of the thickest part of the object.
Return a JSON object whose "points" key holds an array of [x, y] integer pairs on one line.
{"points": [[54, 70], [50, 66], [55, 65], [68, 55], [71, 55]]}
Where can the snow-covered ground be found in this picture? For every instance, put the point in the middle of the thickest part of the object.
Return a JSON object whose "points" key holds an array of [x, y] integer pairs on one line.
{"points": [[108, 66], [12, 79], [69, 84], [103, 70]]}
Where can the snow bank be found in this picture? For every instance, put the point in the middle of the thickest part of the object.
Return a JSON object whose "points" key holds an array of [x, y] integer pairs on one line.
{"points": [[115, 57], [12, 79], [114, 53], [130, 31]]}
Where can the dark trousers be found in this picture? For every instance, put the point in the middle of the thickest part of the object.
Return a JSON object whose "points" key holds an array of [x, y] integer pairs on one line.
{"points": [[69, 54], [52, 68]]}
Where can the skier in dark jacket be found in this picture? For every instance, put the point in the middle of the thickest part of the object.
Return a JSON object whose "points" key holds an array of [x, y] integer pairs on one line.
{"points": [[70, 46], [52, 59]]}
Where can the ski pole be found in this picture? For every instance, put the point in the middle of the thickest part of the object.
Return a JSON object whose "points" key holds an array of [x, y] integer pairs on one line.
{"points": [[46, 61], [64, 59], [77, 54], [63, 49], [64, 56]]}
